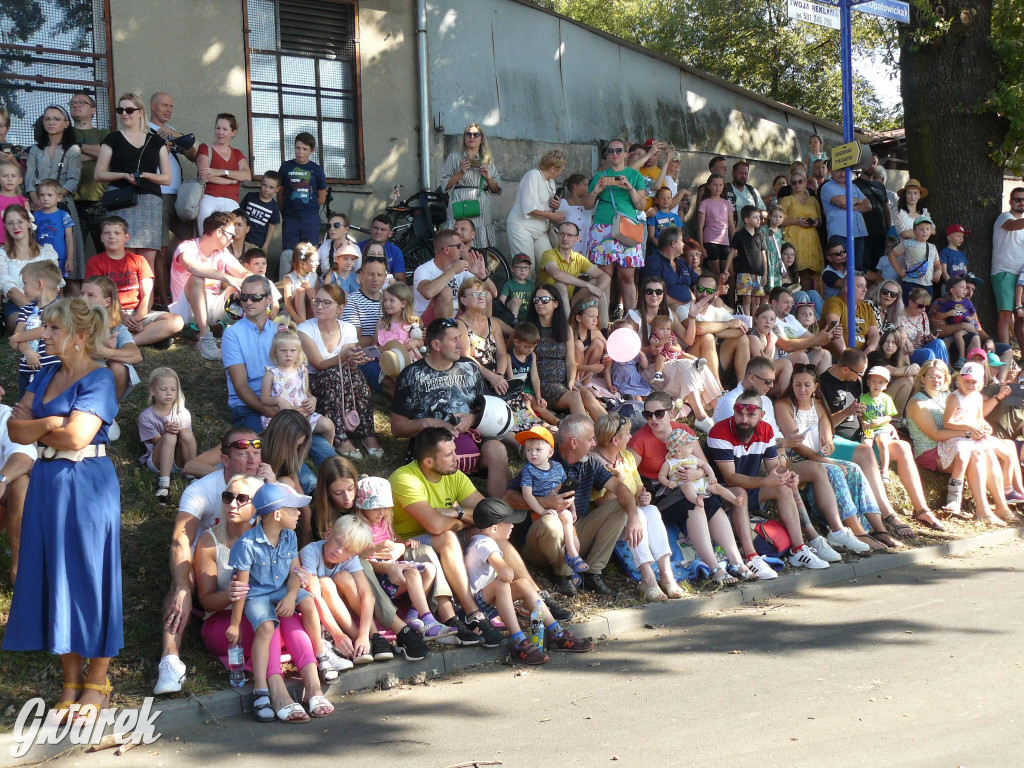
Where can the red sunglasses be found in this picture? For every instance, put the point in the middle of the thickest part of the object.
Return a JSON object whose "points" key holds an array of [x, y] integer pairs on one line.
{"points": [[748, 407]]}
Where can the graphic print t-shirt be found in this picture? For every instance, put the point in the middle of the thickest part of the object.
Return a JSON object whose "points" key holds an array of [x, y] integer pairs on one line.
{"points": [[424, 393], [301, 185]]}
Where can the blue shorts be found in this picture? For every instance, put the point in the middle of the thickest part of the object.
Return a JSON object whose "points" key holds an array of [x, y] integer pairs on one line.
{"points": [[10, 308], [482, 603], [261, 609], [754, 503]]}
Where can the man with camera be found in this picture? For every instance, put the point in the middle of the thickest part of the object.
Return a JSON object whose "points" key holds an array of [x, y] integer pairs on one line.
{"points": [[161, 109]]}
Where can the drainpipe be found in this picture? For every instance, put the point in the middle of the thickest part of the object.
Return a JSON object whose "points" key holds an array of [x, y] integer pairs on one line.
{"points": [[424, 92]]}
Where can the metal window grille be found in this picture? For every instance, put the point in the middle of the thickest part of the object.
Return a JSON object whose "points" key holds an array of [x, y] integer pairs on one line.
{"points": [[303, 67], [49, 49]]}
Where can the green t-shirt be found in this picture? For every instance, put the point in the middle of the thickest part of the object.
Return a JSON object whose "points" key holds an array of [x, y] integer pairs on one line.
{"points": [[409, 486], [604, 212], [90, 190], [522, 291]]}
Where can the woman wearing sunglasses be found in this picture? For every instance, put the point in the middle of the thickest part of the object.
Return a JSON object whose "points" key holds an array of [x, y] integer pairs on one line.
{"points": [[217, 591], [134, 157], [887, 301], [468, 174], [476, 334], [914, 323]]}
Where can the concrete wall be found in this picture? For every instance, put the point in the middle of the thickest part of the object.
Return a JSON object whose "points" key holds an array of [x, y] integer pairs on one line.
{"points": [[535, 80]]}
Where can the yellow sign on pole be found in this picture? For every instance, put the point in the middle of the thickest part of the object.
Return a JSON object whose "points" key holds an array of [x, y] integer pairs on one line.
{"points": [[847, 155]]}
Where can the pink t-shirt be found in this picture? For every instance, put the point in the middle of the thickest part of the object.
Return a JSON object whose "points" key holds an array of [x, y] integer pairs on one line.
{"points": [[220, 260], [6, 201], [382, 531], [716, 220]]}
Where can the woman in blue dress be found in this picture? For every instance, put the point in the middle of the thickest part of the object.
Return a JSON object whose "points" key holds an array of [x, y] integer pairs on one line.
{"points": [[67, 597]]}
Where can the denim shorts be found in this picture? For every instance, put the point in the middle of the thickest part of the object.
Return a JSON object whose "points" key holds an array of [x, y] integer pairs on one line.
{"points": [[261, 609]]}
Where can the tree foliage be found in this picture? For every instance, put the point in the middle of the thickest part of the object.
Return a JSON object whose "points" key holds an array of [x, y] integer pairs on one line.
{"points": [[752, 43]]}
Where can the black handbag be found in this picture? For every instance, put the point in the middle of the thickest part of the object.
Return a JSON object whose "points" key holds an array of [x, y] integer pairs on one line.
{"points": [[115, 198]]}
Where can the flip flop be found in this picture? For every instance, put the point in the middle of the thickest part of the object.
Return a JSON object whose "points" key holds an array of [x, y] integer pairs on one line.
{"points": [[899, 527], [286, 714], [927, 519], [723, 577], [319, 702]]}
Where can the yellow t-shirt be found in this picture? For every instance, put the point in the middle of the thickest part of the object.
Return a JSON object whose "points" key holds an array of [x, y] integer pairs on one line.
{"points": [[651, 173], [577, 265], [409, 486], [865, 317], [632, 475]]}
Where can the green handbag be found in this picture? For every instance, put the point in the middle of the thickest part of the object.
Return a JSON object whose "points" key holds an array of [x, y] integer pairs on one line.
{"points": [[466, 209]]}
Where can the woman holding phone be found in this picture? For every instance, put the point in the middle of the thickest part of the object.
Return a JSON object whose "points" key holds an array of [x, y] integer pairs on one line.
{"points": [[470, 177]]}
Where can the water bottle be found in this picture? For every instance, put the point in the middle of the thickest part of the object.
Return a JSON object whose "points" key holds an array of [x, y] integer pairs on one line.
{"points": [[236, 663], [537, 625], [34, 321]]}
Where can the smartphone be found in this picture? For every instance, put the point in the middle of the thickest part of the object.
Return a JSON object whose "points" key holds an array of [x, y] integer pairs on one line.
{"points": [[832, 325], [372, 353], [560, 192], [475, 163], [7, 148], [569, 485]]}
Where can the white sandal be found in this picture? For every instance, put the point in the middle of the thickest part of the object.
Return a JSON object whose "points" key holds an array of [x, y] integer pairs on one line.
{"points": [[315, 702], [284, 714]]}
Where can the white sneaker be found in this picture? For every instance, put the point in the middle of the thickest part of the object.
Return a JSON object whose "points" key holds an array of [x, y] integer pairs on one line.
{"points": [[846, 539], [172, 675], [761, 568], [340, 663], [819, 546], [113, 431], [704, 425], [805, 558], [208, 349]]}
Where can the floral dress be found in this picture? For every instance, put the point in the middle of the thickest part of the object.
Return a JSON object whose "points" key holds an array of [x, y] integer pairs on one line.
{"points": [[291, 385]]}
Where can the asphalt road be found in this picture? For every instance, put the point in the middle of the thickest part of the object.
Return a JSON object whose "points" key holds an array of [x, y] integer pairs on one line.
{"points": [[916, 667]]}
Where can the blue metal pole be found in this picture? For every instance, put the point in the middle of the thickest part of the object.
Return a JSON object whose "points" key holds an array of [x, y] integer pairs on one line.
{"points": [[846, 59]]}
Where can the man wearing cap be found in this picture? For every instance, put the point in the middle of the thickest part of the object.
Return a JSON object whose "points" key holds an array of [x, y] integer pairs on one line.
{"points": [[1007, 261], [598, 529], [199, 510], [833, 201], [564, 268], [440, 391]]}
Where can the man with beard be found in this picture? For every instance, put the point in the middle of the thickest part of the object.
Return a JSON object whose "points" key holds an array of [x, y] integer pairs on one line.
{"points": [[739, 446], [439, 391]]}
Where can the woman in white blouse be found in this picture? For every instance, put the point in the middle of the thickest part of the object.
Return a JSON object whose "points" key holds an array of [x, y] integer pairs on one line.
{"points": [[535, 208]]}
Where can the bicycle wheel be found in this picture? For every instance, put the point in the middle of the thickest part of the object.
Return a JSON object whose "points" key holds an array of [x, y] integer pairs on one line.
{"points": [[497, 266], [416, 254]]}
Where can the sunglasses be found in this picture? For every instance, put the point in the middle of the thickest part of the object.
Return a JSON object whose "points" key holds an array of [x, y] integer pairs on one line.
{"points": [[473, 134], [542, 299], [127, 110], [654, 292], [890, 294], [80, 104], [337, 225], [449, 322], [615, 151], [243, 444], [254, 297], [243, 498], [746, 407], [322, 302], [228, 234], [705, 291], [657, 414], [798, 181], [769, 382], [837, 253]]}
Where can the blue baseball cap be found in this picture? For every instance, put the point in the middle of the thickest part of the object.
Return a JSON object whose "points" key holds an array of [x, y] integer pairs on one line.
{"points": [[273, 496]]}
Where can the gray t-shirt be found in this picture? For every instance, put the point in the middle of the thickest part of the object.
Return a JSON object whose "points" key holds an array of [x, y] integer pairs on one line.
{"points": [[311, 557]]}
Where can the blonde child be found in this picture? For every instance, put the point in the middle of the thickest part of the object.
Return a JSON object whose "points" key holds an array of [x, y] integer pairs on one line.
{"points": [[876, 421], [54, 226], [11, 177], [679, 459], [165, 429], [118, 351], [374, 504], [301, 283], [343, 269], [541, 476], [493, 582], [275, 589], [590, 342], [397, 322], [20, 249], [286, 382], [625, 379], [774, 240], [41, 281], [662, 345]]}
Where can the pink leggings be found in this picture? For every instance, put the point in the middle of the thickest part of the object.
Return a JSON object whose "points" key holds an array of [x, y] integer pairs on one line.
{"points": [[295, 640]]}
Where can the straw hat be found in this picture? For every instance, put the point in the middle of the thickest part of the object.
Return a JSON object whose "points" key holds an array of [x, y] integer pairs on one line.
{"points": [[394, 358], [914, 184]]}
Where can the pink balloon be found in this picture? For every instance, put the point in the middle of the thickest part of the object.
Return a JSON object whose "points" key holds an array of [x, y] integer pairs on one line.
{"points": [[623, 345]]}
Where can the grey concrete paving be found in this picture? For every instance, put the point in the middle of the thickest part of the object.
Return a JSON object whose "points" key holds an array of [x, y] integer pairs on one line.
{"points": [[919, 666]]}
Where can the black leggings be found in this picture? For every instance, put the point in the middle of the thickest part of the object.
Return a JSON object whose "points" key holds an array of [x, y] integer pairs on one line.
{"points": [[716, 252]]}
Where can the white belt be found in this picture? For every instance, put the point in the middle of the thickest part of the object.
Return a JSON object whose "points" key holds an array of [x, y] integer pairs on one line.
{"points": [[49, 453]]}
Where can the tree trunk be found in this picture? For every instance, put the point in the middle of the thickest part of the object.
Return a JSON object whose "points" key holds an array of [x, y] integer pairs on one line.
{"points": [[949, 138]]}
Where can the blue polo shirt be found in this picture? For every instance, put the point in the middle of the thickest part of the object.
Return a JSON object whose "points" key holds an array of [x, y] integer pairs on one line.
{"points": [[835, 217], [396, 261], [589, 473], [245, 344], [677, 281]]}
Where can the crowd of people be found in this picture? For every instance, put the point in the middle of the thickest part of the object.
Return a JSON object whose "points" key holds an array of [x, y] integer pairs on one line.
{"points": [[737, 304]]}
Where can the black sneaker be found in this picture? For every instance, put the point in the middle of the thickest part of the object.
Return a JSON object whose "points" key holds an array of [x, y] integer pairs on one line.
{"points": [[560, 613], [163, 344], [593, 582], [409, 643], [490, 637], [381, 649], [464, 636], [564, 586]]}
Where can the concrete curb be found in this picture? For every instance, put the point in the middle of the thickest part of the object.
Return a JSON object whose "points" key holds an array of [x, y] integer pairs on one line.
{"points": [[181, 713]]}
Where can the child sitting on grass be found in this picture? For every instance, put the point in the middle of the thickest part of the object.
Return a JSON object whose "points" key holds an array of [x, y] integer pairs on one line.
{"points": [[493, 582], [165, 429], [266, 557]]}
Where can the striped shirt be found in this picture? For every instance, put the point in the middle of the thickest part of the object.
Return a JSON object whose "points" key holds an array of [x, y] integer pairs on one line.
{"points": [[363, 312], [39, 345], [724, 445]]}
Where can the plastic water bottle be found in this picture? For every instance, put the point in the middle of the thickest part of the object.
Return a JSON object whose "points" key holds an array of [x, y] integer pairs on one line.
{"points": [[34, 321], [236, 663], [537, 625]]}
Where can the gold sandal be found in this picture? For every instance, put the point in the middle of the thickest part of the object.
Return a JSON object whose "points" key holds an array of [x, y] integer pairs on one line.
{"points": [[90, 711], [64, 705]]}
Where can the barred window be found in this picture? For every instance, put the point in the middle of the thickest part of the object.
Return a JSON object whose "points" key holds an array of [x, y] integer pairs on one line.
{"points": [[49, 49], [303, 67]]}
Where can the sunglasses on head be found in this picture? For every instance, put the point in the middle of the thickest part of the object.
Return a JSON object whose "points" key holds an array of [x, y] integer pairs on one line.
{"points": [[890, 294], [254, 297], [449, 322], [745, 407], [227, 497], [542, 299], [243, 444], [654, 291], [656, 414], [127, 110]]}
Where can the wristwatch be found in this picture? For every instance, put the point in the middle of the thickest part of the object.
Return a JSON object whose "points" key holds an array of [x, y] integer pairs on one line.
{"points": [[225, 172], [460, 510], [4, 480]]}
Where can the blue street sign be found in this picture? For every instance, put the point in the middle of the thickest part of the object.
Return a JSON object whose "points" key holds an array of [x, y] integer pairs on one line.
{"points": [[896, 10]]}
